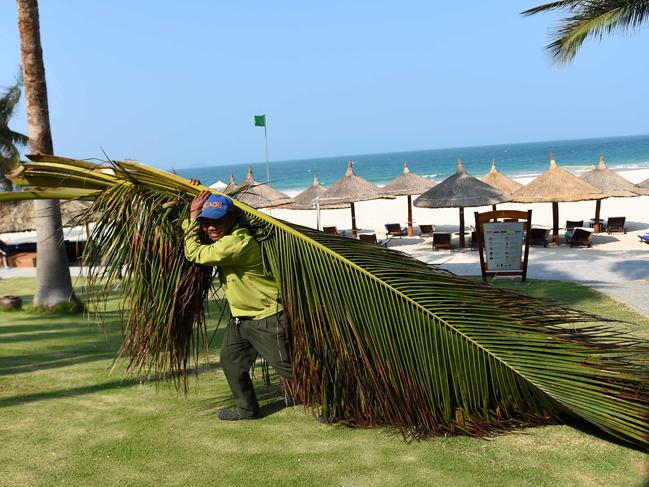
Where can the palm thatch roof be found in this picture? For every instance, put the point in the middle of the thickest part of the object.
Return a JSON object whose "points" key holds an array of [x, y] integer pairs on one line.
{"points": [[610, 182], [643, 184], [460, 190], [556, 185], [304, 200], [499, 181], [259, 195], [408, 183], [19, 216], [231, 187], [643, 187], [350, 189]]}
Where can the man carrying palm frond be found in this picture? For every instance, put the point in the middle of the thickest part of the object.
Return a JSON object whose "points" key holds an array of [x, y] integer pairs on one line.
{"points": [[258, 323]]}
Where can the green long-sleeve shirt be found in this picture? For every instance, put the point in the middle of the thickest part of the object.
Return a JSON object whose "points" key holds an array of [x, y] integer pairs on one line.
{"points": [[249, 291]]}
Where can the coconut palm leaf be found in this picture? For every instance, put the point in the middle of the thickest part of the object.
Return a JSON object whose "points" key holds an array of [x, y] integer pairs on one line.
{"points": [[378, 337], [592, 18]]}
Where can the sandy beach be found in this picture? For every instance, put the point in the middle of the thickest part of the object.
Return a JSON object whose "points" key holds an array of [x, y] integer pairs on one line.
{"points": [[372, 215]]}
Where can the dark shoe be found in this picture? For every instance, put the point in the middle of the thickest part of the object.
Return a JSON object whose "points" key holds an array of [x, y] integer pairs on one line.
{"points": [[234, 415]]}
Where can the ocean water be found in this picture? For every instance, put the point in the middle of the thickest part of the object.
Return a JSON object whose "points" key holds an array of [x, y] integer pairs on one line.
{"points": [[514, 160]]}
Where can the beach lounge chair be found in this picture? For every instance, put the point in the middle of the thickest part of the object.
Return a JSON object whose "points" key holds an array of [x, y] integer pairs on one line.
{"points": [[371, 238], [331, 230], [644, 238], [539, 236], [426, 230], [368, 237], [395, 230], [615, 224], [580, 236], [441, 240], [570, 224], [474, 241]]}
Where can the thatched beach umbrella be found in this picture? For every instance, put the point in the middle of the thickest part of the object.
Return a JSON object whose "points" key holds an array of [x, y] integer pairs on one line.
{"points": [[260, 195], [610, 183], [553, 186], [231, 187], [643, 186], [459, 191], [304, 200], [348, 190], [408, 184], [310, 199], [19, 216], [498, 180]]}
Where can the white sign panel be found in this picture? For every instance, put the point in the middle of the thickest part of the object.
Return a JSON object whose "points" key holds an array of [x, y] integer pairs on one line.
{"points": [[503, 243]]}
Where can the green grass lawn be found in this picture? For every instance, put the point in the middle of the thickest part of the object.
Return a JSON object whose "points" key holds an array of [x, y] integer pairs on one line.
{"points": [[65, 421]]}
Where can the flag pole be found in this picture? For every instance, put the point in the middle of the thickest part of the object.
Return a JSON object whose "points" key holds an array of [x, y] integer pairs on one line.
{"points": [[266, 137]]}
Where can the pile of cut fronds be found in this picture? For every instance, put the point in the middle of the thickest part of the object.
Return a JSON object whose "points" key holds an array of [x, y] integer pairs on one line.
{"points": [[378, 338]]}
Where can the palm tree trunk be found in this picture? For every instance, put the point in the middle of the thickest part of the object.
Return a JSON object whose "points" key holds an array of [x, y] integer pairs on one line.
{"points": [[54, 285]]}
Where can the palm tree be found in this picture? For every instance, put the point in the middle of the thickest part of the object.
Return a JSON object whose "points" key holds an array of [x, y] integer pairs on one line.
{"points": [[377, 337], [590, 18], [9, 140], [54, 285]]}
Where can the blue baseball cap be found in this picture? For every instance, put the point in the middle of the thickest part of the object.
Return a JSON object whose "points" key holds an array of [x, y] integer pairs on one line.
{"points": [[216, 206]]}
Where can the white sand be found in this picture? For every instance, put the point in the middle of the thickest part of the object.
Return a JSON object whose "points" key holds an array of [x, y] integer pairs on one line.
{"points": [[372, 215]]}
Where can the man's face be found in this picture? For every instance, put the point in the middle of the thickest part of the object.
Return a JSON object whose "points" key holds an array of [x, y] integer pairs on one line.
{"points": [[216, 229]]}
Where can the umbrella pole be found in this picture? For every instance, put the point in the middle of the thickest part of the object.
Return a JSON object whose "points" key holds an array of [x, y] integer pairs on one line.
{"points": [[354, 231], [598, 207], [461, 227], [493, 207], [555, 222], [317, 206], [410, 231]]}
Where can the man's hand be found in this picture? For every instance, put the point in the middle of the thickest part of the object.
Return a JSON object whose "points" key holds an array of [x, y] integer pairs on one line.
{"points": [[195, 182], [197, 204]]}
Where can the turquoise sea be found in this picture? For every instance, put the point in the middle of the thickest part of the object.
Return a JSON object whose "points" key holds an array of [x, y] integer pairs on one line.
{"points": [[515, 160]]}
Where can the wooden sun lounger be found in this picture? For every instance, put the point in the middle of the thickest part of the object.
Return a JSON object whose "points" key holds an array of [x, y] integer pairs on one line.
{"points": [[615, 224], [426, 230], [395, 230], [331, 230], [371, 238], [539, 236], [580, 236], [570, 224], [644, 238], [441, 240]]}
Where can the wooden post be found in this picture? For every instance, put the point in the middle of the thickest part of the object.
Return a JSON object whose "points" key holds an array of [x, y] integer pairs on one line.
{"points": [[528, 231], [598, 207], [479, 231], [461, 227], [354, 230], [410, 230], [555, 222]]}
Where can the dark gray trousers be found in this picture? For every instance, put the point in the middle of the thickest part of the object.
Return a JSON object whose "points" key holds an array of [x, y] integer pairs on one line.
{"points": [[244, 339]]}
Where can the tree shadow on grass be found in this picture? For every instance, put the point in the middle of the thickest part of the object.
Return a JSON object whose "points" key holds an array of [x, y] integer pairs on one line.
{"points": [[71, 392], [19, 364], [593, 430]]}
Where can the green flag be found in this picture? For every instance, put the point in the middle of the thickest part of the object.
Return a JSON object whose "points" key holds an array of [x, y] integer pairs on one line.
{"points": [[260, 120]]}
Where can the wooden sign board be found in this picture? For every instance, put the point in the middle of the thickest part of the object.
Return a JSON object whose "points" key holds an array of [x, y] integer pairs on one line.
{"points": [[503, 242]]}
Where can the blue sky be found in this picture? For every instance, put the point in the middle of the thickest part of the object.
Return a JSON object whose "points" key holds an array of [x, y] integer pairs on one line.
{"points": [[177, 83]]}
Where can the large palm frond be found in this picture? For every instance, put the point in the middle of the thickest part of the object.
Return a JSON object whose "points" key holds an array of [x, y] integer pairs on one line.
{"points": [[378, 338], [590, 18], [9, 139]]}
